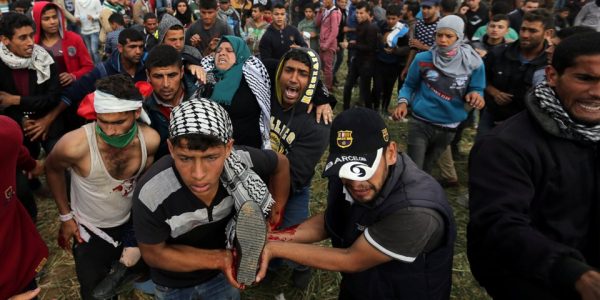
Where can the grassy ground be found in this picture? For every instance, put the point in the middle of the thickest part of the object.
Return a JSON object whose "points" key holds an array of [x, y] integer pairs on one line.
{"points": [[58, 280]]}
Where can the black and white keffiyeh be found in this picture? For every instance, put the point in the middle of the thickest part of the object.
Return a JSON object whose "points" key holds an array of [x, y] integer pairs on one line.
{"points": [[549, 102], [39, 61], [257, 77], [203, 116], [199, 115]]}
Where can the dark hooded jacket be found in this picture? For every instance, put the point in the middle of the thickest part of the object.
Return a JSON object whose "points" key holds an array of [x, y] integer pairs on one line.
{"points": [[534, 213], [294, 132], [189, 54]]}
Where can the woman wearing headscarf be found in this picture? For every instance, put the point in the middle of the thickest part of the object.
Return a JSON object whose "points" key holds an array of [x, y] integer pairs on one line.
{"points": [[242, 86], [183, 13], [442, 85]]}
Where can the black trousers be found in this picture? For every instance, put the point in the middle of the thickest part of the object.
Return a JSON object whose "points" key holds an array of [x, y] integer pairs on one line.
{"points": [[351, 78], [93, 259], [385, 78]]}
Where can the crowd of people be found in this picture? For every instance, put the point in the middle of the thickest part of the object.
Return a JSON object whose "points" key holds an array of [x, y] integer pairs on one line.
{"points": [[179, 140]]}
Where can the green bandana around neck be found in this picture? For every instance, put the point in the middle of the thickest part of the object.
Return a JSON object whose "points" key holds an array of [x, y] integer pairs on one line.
{"points": [[229, 80], [118, 141]]}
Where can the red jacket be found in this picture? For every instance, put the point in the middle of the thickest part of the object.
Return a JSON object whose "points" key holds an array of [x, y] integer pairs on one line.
{"points": [[22, 250], [77, 59], [329, 27]]}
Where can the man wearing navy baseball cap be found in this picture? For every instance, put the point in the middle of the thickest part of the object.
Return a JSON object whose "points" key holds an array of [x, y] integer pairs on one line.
{"points": [[389, 222]]}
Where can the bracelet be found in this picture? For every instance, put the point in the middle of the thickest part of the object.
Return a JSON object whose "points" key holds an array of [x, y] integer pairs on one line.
{"points": [[67, 217]]}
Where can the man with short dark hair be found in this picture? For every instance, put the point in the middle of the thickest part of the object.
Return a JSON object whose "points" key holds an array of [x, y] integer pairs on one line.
{"points": [[498, 8], [497, 29], [104, 159], [516, 16], [423, 36], [205, 33], [279, 37], [149, 28], [390, 224], [533, 226], [117, 24], [127, 60], [365, 45], [164, 67], [512, 69], [30, 89], [184, 206], [255, 28]]}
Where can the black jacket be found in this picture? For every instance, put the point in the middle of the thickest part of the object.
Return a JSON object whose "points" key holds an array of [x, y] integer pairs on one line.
{"points": [[504, 71], [534, 213], [275, 43], [42, 97]]}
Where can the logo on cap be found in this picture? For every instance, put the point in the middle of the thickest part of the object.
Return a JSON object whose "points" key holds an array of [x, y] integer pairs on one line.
{"points": [[385, 135], [344, 138]]}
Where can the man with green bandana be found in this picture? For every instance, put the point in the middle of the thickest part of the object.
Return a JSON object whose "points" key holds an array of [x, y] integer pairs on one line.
{"points": [[104, 159]]}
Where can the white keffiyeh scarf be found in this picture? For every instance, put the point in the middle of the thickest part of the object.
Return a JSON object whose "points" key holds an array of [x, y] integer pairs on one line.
{"points": [[39, 61]]}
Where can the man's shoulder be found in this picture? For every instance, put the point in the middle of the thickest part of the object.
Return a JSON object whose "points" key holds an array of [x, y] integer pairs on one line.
{"points": [[520, 130], [151, 137], [158, 183]]}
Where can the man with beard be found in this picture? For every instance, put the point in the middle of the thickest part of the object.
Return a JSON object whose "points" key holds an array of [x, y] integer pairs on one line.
{"points": [[104, 159], [165, 73], [390, 224], [534, 191], [296, 133], [512, 69]]}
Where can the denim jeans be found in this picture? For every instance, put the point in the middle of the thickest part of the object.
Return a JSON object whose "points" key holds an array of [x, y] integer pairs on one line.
{"points": [[296, 209], [216, 288], [91, 42], [426, 142]]}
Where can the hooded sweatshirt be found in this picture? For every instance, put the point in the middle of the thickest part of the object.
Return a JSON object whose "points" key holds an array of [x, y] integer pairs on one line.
{"points": [[77, 60], [84, 8], [294, 132], [189, 54]]}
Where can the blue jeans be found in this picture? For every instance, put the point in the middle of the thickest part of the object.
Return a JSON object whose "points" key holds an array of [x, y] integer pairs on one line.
{"points": [[216, 288], [296, 209], [91, 42]]}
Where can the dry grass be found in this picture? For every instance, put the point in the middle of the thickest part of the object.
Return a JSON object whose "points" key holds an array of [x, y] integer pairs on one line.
{"points": [[58, 280]]}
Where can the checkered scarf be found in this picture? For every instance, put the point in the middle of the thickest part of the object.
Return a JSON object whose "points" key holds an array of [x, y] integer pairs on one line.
{"points": [[550, 104], [203, 116]]}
